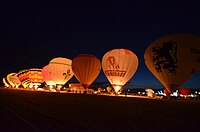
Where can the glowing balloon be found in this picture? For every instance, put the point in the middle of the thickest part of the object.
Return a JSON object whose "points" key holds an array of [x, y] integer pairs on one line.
{"points": [[173, 59], [60, 70], [109, 89], [150, 92], [13, 79], [46, 76], [167, 92], [23, 76], [6, 83], [86, 68], [35, 76], [119, 65], [185, 91], [9, 80]]}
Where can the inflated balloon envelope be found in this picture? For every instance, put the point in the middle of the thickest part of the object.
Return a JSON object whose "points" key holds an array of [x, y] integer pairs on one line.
{"points": [[119, 65], [46, 76], [35, 76], [185, 91], [60, 70], [23, 76], [13, 79], [86, 68], [173, 59]]}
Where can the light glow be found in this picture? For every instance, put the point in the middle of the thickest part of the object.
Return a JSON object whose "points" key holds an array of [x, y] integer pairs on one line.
{"points": [[117, 88], [5, 83]]}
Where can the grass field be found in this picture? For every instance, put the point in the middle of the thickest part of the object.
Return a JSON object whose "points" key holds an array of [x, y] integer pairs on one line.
{"points": [[44, 111]]}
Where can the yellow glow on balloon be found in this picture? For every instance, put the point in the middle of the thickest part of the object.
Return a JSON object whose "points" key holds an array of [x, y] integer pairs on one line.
{"points": [[117, 87], [60, 70], [5, 83], [9, 79]]}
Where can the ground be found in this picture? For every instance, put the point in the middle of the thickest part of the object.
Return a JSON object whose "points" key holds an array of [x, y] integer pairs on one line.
{"points": [[44, 111]]}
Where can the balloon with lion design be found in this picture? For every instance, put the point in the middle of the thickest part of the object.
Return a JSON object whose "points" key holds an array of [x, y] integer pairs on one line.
{"points": [[119, 65], [173, 59]]}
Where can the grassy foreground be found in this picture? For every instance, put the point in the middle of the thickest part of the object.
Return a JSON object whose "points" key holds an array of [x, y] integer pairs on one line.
{"points": [[43, 111]]}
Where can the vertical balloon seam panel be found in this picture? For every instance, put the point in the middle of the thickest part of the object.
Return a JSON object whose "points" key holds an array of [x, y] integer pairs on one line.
{"points": [[75, 69], [86, 73], [131, 63], [122, 53], [119, 57], [103, 66], [92, 72], [97, 68], [83, 75]]}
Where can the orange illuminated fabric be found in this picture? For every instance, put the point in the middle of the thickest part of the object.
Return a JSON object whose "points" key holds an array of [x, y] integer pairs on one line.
{"points": [[86, 68]]}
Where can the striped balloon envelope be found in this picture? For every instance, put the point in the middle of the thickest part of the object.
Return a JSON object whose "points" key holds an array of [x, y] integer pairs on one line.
{"points": [[35, 76], [23, 76]]}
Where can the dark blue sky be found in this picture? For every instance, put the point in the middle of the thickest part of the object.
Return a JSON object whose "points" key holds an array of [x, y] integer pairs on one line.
{"points": [[34, 32]]}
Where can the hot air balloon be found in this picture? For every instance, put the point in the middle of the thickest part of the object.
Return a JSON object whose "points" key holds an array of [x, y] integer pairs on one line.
{"points": [[9, 80], [47, 77], [60, 70], [6, 83], [109, 89], [23, 77], [119, 65], [173, 59], [86, 68], [167, 92], [13, 79], [150, 92], [35, 77], [185, 91]]}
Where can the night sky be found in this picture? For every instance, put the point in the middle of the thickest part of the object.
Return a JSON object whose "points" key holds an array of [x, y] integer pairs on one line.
{"points": [[34, 32]]}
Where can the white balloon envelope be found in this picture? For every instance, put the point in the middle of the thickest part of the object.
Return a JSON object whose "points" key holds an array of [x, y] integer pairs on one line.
{"points": [[119, 65], [173, 59], [60, 70]]}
